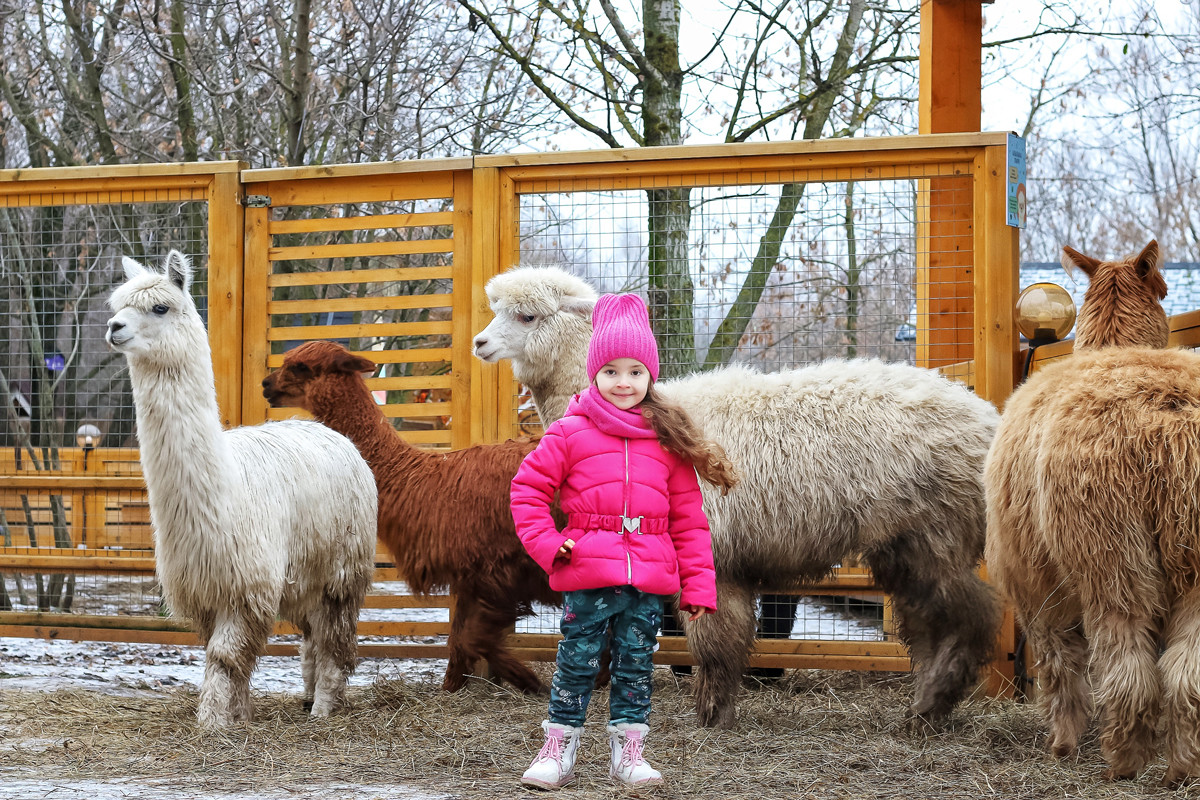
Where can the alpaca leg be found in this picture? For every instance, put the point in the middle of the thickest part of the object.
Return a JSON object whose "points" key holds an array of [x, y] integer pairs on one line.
{"points": [[488, 632], [947, 616], [1128, 688], [335, 653], [229, 659], [307, 668], [1052, 619], [1180, 665], [720, 644], [462, 656]]}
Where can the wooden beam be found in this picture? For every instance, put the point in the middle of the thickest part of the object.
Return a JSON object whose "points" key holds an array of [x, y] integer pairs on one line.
{"points": [[949, 104], [951, 66], [464, 390], [225, 284]]}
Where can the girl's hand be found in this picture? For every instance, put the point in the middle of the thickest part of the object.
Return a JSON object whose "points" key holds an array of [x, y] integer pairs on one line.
{"points": [[564, 552], [696, 612]]}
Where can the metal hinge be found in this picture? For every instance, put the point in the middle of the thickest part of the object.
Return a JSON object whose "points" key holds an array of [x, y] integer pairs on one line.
{"points": [[257, 201]]}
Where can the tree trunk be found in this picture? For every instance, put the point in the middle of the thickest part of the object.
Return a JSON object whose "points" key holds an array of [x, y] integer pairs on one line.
{"points": [[182, 77], [297, 147], [854, 289], [670, 212]]}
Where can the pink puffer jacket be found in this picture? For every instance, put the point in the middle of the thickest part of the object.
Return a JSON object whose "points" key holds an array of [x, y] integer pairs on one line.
{"points": [[633, 509]]}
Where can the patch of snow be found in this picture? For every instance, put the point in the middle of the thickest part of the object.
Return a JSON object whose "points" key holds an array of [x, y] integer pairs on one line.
{"points": [[130, 668], [147, 789]]}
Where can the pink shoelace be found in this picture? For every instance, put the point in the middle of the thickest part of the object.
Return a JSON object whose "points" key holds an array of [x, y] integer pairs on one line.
{"points": [[552, 749], [631, 752]]}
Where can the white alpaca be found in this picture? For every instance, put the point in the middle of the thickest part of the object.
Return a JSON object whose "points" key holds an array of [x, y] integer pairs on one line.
{"points": [[249, 522], [840, 459]]}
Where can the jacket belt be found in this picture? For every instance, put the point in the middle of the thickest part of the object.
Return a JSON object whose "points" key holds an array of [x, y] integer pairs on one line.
{"points": [[615, 522]]}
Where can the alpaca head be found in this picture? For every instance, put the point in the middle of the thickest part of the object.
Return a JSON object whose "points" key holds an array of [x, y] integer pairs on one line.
{"points": [[534, 307], [155, 320], [314, 375], [1123, 303]]}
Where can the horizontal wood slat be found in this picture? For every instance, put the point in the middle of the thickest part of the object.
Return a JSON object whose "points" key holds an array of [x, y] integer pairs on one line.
{"points": [[411, 355], [395, 302], [343, 276], [366, 222], [354, 249], [430, 328]]}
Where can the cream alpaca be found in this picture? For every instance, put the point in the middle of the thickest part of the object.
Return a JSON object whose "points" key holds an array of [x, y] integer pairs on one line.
{"points": [[249, 522], [844, 458], [1093, 488]]}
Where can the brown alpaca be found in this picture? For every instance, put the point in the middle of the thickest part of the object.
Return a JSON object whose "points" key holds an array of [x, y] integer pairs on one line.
{"points": [[444, 517], [1093, 494]]}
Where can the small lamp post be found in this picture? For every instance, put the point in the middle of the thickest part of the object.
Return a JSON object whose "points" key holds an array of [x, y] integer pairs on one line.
{"points": [[1045, 314], [88, 437]]}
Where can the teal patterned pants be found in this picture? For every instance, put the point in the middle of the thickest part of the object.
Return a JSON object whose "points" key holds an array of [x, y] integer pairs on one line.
{"points": [[635, 617]]}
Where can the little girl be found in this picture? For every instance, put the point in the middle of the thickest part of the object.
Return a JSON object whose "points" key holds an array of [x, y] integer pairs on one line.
{"points": [[624, 463]]}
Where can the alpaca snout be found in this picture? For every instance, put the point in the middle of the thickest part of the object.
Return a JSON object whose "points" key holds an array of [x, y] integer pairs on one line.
{"points": [[113, 334], [483, 351], [268, 389]]}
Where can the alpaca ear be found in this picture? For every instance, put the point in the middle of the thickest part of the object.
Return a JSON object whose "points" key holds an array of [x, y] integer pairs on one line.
{"points": [[132, 269], [1072, 258], [178, 269], [580, 306], [1146, 264], [350, 363]]}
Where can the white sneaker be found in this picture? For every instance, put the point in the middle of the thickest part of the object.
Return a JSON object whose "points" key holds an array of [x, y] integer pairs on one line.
{"points": [[627, 740], [555, 763]]}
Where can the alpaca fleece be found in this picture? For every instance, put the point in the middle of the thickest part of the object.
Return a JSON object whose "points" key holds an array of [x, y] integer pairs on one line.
{"points": [[1093, 488], [444, 517], [842, 459], [250, 522]]}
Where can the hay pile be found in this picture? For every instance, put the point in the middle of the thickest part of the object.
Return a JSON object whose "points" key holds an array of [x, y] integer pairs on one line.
{"points": [[813, 734]]}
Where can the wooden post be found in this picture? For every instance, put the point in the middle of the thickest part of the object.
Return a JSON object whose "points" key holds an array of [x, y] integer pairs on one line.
{"points": [[485, 258], [225, 290], [508, 212], [950, 80], [996, 278], [464, 403], [255, 321]]}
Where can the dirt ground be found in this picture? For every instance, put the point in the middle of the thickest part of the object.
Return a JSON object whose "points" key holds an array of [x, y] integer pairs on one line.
{"points": [[813, 734]]}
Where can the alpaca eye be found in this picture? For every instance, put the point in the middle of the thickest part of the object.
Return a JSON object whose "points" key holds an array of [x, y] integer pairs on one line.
{"points": [[160, 309], [528, 319]]}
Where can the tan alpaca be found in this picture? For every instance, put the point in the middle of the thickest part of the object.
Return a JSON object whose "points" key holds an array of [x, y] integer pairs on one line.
{"points": [[1093, 492]]}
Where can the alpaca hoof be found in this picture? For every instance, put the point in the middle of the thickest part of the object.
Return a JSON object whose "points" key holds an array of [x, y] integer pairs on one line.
{"points": [[307, 706], [1113, 774], [1062, 750], [716, 717], [922, 726], [1176, 778]]}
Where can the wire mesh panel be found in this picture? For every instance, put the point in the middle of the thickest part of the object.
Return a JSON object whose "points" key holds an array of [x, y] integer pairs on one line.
{"points": [[69, 414], [774, 271]]}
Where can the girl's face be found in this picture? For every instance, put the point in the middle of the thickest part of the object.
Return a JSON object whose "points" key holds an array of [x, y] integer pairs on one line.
{"points": [[623, 382]]}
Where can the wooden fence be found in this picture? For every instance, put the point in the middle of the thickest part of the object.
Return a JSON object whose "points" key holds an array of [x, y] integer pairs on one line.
{"points": [[286, 246]]}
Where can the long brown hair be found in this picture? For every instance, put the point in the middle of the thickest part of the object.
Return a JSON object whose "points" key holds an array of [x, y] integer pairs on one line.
{"points": [[679, 435]]}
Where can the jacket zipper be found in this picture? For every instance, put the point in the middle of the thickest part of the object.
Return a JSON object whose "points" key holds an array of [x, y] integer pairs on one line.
{"points": [[624, 516]]}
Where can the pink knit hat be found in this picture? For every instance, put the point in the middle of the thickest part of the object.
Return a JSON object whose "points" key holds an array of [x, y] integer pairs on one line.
{"points": [[621, 329]]}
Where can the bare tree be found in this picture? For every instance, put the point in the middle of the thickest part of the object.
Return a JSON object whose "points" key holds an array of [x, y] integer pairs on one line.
{"points": [[787, 70]]}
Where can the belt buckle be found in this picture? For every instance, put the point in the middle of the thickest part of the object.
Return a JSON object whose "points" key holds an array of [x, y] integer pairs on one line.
{"points": [[631, 524]]}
